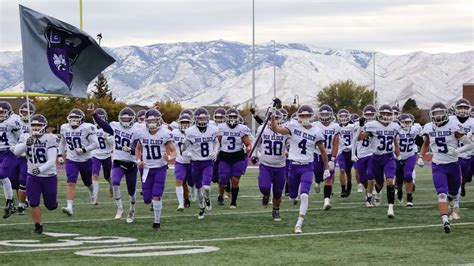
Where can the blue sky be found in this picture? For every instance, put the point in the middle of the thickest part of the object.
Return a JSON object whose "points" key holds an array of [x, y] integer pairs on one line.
{"points": [[390, 26]]}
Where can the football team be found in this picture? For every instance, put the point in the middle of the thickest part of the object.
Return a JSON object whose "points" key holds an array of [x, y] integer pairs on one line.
{"points": [[382, 145]]}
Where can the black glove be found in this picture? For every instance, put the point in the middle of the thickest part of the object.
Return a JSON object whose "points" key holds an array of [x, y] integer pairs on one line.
{"points": [[30, 141], [254, 160], [252, 111], [361, 121]]}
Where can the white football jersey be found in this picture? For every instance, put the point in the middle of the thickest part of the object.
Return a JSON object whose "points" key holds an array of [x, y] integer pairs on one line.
{"points": [[303, 142], [202, 144], [271, 148], [406, 140], [124, 137], [383, 137], [179, 140], [40, 149], [106, 143], [468, 126], [24, 127], [329, 134], [154, 146], [213, 123], [79, 137], [362, 147], [442, 139], [346, 137], [9, 132], [232, 137]]}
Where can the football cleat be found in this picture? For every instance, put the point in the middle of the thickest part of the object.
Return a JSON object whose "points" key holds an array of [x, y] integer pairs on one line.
{"points": [[327, 204], [220, 200], [67, 211], [455, 214], [377, 200], [390, 212], [317, 187], [93, 201], [38, 229], [9, 208], [400, 196], [298, 229], [409, 204], [131, 216], [208, 205], [233, 206], [447, 227], [119, 214], [343, 194], [156, 226], [276, 215], [201, 213], [21, 210], [360, 188], [180, 208], [265, 200], [369, 204]]}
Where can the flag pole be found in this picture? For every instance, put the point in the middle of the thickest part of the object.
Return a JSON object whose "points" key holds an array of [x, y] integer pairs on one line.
{"points": [[80, 14], [33, 154]]}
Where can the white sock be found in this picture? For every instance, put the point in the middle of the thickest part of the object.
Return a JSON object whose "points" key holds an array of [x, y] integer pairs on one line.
{"points": [[132, 202], [303, 204], [300, 221], [444, 218], [457, 199], [69, 204], [7, 188], [200, 197], [414, 176], [118, 197], [91, 190], [95, 185], [180, 195], [207, 192], [157, 206], [21, 204]]}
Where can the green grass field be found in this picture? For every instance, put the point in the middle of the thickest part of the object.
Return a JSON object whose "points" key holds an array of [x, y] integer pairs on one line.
{"points": [[347, 234]]}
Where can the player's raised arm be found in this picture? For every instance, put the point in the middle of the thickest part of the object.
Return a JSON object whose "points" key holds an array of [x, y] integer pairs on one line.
{"points": [[275, 127], [103, 124]]}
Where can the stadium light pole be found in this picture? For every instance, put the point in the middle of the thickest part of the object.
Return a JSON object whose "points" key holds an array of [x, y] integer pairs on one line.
{"points": [[373, 72], [274, 70], [253, 62]]}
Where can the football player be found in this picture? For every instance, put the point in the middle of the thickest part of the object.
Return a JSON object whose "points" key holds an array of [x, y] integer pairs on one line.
{"points": [[382, 133], [218, 118], [202, 146], [407, 135], [124, 163], [355, 120], [102, 156], [344, 159], [41, 150], [141, 117], [182, 167], [270, 151], [156, 145], [232, 156], [331, 132], [9, 134], [442, 135], [304, 140], [78, 139]]}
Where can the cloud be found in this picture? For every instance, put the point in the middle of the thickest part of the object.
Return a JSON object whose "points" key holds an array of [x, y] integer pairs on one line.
{"points": [[387, 26]]}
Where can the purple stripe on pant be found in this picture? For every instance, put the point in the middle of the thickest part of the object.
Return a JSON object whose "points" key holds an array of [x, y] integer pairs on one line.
{"points": [[301, 177], [363, 166], [344, 161], [183, 172], [154, 184], [7, 159], [130, 177], [405, 169], [466, 170], [446, 178], [228, 170], [319, 168], [202, 173], [18, 170], [106, 164], [48, 186], [269, 176], [383, 164], [74, 168]]}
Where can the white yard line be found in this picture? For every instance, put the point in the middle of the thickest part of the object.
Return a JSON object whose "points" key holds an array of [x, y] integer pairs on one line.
{"points": [[424, 205], [245, 237]]}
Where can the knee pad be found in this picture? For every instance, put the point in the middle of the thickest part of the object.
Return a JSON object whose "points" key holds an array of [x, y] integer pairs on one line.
{"points": [[442, 197]]}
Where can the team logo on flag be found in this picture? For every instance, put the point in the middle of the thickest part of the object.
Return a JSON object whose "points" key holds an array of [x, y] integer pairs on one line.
{"points": [[64, 48]]}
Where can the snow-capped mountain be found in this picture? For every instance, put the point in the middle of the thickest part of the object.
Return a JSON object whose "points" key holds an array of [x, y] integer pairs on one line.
{"points": [[218, 72]]}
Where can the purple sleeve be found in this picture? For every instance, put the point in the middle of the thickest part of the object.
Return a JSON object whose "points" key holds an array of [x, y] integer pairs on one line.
{"points": [[103, 124]]}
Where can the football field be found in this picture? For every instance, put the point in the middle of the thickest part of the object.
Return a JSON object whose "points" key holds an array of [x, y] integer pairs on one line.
{"points": [[349, 233]]}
